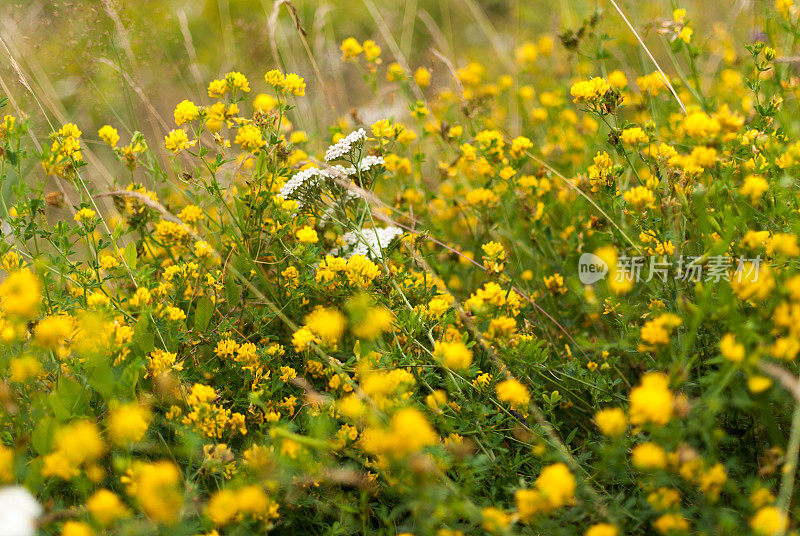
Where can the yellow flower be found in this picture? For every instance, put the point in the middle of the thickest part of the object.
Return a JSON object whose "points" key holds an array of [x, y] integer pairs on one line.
{"points": [[633, 136], [758, 384], [307, 235], [108, 262], [652, 83], [600, 173], [23, 368], [177, 140], [298, 137], [482, 197], [557, 485], [375, 322], [157, 487], [754, 186], [554, 488], [109, 135], [350, 48], [602, 529], [250, 138], [526, 53], [185, 112], [519, 145], [7, 126], [436, 399], [128, 423], [361, 271], [160, 362], [652, 401], [617, 79], [494, 257], [494, 519], [422, 77], [84, 214], [730, 349], [454, 355], [328, 324], [769, 521], [21, 294], [57, 464], [589, 91], [52, 332], [191, 214], [171, 232], [222, 507], [700, 125], [394, 72], [784, 7], [217, 88], [656, 333], [6, 464], [237, 81], [274, 78], [76, 528], [408, 432], [80, 442], [611, 421], [640, 197], [372, 51], [513, 393], [671, 523], [753, 281], [106, 507], [294, 84], [649, 456], [762, 497], [264, 102], [712, 480]]}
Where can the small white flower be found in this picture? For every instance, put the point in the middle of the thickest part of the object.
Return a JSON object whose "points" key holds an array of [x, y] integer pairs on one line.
{"points": [[301, 178], [370, 242], [18, 512], [370, 161], [343, 146], [339, 171]]}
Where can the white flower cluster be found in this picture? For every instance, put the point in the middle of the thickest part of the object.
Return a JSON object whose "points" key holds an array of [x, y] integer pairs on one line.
{"points": [[343, 146], [309, 176], [369, 161], [370, 241], [339, 171], [297, 181], [18, 512]]}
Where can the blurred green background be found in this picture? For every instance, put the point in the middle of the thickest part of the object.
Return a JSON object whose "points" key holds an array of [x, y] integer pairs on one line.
{"points": [[99, 60]]}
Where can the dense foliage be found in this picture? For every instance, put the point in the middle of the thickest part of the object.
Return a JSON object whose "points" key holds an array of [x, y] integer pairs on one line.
{"points": [[528, 303]]}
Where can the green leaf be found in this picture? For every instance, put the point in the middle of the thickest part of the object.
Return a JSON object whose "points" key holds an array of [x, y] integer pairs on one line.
{"points": [[233, 290], [102, 379], [129, 253], [69, 397], [203, 313], [143, 335], [42, 437], [119, 230]]}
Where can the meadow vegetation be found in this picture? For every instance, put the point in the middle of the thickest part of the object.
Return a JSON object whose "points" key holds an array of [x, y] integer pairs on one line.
{"points": [[328, 272]]}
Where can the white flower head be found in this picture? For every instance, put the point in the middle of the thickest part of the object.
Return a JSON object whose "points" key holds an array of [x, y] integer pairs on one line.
{"points": [[338, 171], [344, 146], [18, 512], [370, 242], [370, 161]]}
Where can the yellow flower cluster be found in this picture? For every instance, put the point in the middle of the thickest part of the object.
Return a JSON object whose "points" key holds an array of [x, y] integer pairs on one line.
{"points": [[554, 488]]}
